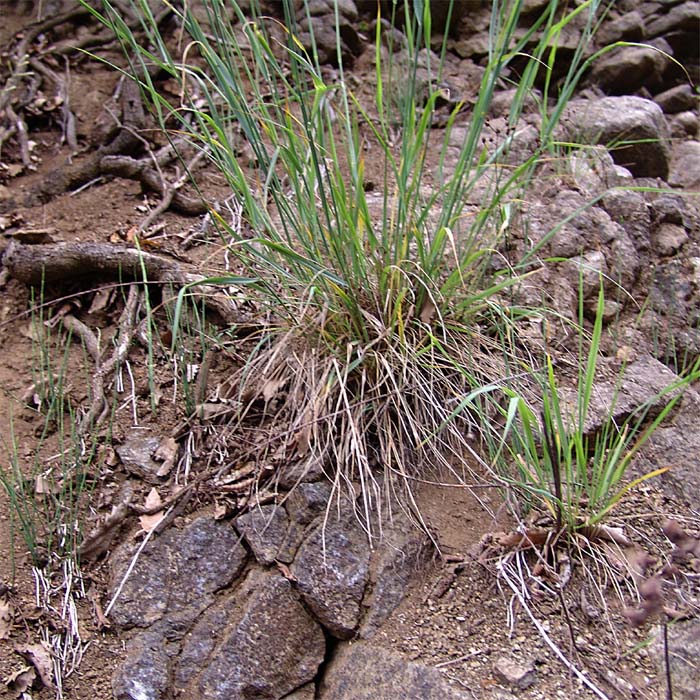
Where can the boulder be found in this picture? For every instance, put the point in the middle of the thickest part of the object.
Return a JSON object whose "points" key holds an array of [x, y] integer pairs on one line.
{"points": [[317, 31], [178, 570], [331, 570], [144, 673], [685, 167], [265, 530], [628, 68], [683, 653], [361, 671], [632, 128], [259, 641], [677, 99]]}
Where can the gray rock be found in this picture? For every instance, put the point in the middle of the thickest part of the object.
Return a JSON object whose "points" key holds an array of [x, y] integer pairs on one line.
{"points": [[589, 230], [317, 19], [502, 103], [685, 124], [669, 239], [685, 169], [360, 671], [144, 673], [677, 99], [642, 382], [682, 17], [628, 68], [629, 26], [136, 454], [258, 642], [403, 550], [593, 170], [631, 211], [306, 692], [307, 501], [669, 209], [332, 570], [676, 443], [518, 674], [265, 530], [634, 128], [684, 652], [180, 569]]}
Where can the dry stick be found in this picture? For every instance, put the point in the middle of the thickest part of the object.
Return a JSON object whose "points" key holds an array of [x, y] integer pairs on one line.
{"points": [[559, 654]]}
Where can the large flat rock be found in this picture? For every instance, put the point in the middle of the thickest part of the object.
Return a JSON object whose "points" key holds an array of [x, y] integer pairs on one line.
{"points": [[361, 671], [180, 569]]}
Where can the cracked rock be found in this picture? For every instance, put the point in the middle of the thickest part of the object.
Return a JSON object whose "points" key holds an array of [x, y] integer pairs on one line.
{"points": [[258, 642], [332, 570], [180, 569]]}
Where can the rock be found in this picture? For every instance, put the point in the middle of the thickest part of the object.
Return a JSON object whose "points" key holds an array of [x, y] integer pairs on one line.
{"points": [[180, 569], [332, 570], [316, 23], [630, 210], [677, 99], [307, 501], [403, 550], [628, 68], [676, 443], [684, 651], [685, 169], [360, 671], [640, 387], [633, 128], [593, 170], [306, 692], [518, 674], [502, 102], [136, 454], [144, 673], [669, 239], [683, 17], [685, 124], [669, 209], [588, 230], [629, 27], [257, 642], [265, 530]]}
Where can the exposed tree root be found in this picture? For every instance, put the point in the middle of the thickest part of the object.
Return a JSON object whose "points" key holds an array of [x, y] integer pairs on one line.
{"points": [[105, 366], [37, 264], [28, 70]]}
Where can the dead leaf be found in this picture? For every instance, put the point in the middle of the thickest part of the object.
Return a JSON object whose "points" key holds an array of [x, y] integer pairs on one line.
{"points": [[6, 617], [167, 454], [40, 657], [100, 301], [132, 234], [221, 511], [20, 681], [42, 486], [153, 501], [272, 387], [100, 539], [427, 313], [685, 543]]}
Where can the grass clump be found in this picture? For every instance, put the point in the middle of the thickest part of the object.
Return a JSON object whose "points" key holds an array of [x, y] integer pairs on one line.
{"points": [[383, 305], [48, 489], [571, 460]]}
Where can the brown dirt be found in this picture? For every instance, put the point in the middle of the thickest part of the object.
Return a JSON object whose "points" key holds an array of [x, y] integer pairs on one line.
{"points": [[457, 615]]}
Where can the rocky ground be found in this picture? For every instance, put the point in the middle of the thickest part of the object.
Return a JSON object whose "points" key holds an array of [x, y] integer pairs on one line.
{"points": [[197, 588]]}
